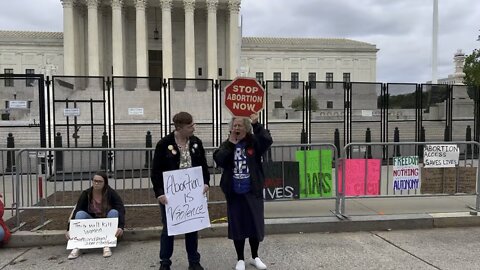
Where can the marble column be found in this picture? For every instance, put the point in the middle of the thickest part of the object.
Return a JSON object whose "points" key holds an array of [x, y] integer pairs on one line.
{"points": [[212, 61], [234, 44], [93, 44], [167, 48], [80, 39], [189, 6], [141, 38], [68, 38], [117, 38]]}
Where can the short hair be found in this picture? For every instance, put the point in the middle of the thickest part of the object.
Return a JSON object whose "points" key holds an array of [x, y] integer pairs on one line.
{"points": [[182, 119], [247, 122]]}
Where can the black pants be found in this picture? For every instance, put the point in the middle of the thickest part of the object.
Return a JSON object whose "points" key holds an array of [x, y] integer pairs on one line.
{"points": [[166, 244]]}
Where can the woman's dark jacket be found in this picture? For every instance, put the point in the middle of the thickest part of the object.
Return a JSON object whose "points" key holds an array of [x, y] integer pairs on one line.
{"points": [[165, 159], [256, 145], [113, 202]]}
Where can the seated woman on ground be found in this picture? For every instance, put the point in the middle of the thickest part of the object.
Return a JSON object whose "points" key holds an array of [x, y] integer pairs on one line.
{"points": [[4, 232], [99, 201]]}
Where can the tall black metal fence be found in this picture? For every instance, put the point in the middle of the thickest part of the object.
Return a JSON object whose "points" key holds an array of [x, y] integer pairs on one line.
{"points": [[136, 111]]}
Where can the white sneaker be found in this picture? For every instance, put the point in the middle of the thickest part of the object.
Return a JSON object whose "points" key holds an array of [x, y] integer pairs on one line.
{"points": [[74, 254], [258, 263], [240, 265], [107, 252]]}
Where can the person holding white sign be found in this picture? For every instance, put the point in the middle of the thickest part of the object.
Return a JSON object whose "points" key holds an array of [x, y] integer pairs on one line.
{"points": [[178, 150], [99, 201], [242, 181]]}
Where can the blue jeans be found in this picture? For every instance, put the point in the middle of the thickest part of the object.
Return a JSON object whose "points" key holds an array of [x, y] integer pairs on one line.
{"points": [[2, 233], [166, 244], [84, 215]]}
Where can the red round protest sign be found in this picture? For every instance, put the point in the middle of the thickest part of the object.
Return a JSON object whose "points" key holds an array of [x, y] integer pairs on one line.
{"points": [[244, 96]]}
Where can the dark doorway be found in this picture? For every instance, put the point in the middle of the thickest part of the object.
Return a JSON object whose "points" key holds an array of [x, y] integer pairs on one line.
{"points": [[155, 69]]}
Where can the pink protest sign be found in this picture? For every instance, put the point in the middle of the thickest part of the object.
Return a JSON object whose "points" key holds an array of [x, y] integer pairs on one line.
{"points": [[359, 172]]}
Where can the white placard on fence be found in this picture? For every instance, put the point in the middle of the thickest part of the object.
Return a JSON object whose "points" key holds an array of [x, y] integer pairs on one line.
{"points": [[17, 104], [440, 155], [135, 111], [406, 173], [92, 233], [71, 112], [187, 209]]}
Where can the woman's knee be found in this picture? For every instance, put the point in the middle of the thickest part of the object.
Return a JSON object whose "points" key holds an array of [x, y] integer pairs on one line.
{"points": [[82, 215], [113, 213]]}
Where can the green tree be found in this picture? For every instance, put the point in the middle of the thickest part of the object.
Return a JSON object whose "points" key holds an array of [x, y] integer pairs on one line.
{"points": [[298, 104], [471, 68]]}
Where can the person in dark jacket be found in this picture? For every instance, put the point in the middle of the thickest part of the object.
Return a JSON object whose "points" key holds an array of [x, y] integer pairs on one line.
{"points": [[178, 150], [4, 231], [242, 181], [99, 201]]}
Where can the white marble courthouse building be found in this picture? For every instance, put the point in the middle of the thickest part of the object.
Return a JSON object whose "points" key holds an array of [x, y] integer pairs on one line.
{"points": [[177, 39], [194, 39]]}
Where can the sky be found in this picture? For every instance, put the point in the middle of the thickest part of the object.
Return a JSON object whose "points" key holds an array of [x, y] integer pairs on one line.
{"points": [[401, 29]]}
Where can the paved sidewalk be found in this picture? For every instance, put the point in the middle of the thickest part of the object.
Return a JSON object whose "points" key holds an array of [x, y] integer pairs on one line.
{"points": [[448, 248], [311, 216]]}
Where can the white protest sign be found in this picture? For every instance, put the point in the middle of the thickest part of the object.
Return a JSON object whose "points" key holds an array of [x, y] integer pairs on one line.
{"points": [[93, 233], [186, 207], [440, 155], [406, 173]]}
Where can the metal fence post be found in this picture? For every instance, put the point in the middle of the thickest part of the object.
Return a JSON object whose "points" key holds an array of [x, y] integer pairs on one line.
{"points": [[446, 134], [10, 153], [57, 143], [148, 153], [336, 140], [368, 138], [468, 138], [396, 138], [422, 139], [103, 165]]}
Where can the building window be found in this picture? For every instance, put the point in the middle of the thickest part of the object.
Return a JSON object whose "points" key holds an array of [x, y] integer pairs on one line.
{"points": [[277, 78], [294, 79], [220, 72], [8, 82], [329, 80], [312, 78], [29, 82], [259, 76], [329, 104], [346, 77]]}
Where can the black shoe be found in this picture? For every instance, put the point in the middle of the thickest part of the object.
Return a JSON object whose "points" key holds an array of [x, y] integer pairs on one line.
{"points": [[195, 266], [164, 267]]}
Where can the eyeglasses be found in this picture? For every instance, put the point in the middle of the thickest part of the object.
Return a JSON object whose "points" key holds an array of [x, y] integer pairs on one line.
{"points": [[98, 181]]}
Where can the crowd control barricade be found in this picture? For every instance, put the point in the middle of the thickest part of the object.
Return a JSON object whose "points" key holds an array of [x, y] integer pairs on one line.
{"points": [[301, 171], [8, 168], [37, 186], [409, 169]]}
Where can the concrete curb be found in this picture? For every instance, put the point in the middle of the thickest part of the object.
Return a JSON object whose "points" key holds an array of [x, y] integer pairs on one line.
{"points": [[280, 226]]}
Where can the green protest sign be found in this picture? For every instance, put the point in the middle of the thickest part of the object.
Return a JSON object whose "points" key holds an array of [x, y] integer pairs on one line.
{"points": [[315, 170]]}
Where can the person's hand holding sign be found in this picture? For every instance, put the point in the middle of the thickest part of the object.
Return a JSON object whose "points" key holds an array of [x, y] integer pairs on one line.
{"points": [[119, 233], [254, 118], [162, 199]]}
